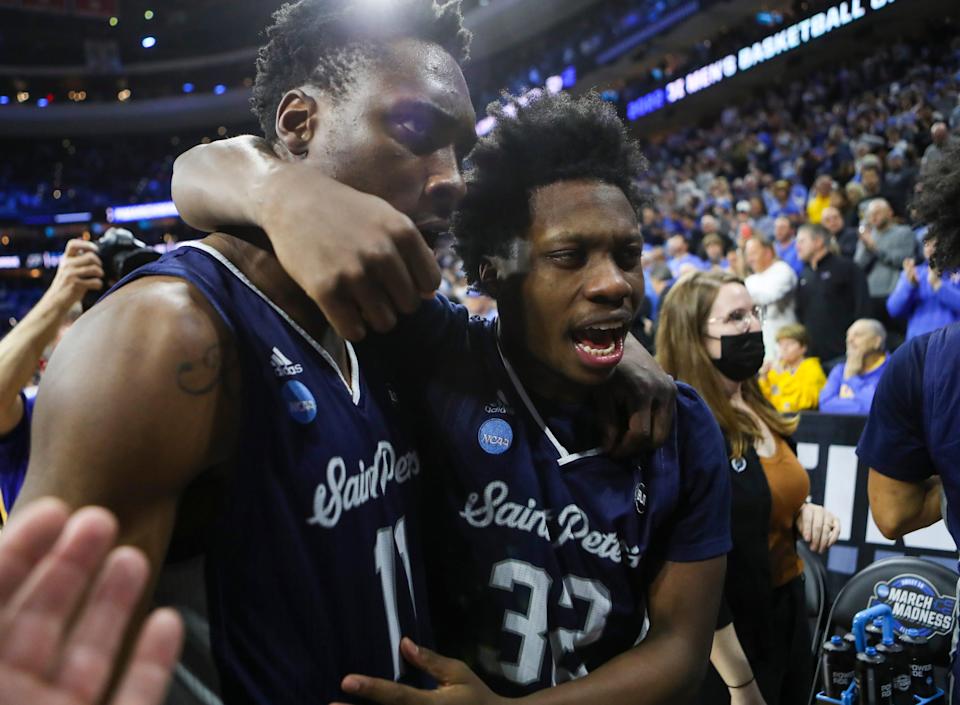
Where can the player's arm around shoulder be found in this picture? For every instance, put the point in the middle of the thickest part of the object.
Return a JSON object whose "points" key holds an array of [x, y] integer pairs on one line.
{"points": [[135, 404]]}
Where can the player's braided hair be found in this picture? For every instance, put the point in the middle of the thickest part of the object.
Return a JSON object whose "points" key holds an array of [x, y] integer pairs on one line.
{"points": [[938, 205], [553, 138], [323, 42]]}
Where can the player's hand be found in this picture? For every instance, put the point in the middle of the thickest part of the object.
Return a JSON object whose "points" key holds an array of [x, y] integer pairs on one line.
{"points": [[65, 601], [361, 260], [80, 270], [818, 527], [457, 684], [637, 404]]}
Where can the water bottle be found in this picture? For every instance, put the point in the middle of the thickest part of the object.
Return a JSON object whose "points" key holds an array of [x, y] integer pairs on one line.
{"points": [[873, 678], [838, 662]]}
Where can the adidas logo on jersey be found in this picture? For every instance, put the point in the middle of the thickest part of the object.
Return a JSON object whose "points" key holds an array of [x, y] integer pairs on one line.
{"points": [[284, 366]]}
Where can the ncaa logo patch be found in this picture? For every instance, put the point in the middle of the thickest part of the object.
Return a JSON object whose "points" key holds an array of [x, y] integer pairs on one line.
{"points": [[495, 436], [301, 405]]}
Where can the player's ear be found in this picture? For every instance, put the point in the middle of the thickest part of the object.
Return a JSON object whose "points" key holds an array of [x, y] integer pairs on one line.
{"points": [[297, 118]]}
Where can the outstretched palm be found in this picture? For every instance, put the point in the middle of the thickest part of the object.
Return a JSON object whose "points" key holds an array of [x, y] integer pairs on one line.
{"points": [[65, 601]]}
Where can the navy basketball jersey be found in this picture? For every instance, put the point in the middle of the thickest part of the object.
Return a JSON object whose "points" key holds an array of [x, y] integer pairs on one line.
{"points": [[542, 546], [313, 566]]}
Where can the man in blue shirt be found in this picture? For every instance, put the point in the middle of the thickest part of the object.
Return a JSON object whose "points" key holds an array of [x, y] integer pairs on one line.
{"points": [[912, 438], [785, 243], [850, 386], [552, 561], [925, 297]]}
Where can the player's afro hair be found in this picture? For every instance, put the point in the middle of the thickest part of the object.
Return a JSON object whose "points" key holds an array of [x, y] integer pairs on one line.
{"points": [[322, 42], [938, 205], [553, 138]]}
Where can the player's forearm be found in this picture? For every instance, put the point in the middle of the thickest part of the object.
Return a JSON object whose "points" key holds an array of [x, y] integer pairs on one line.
{"points": [[664, 668], [217, 185]]}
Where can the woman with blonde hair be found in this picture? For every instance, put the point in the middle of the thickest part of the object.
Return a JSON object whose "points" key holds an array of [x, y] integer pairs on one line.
{"points": [[710, 337]]}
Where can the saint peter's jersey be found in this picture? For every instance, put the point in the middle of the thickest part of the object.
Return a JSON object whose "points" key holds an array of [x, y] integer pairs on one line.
{"points": [[539, 556], [313, 566]]}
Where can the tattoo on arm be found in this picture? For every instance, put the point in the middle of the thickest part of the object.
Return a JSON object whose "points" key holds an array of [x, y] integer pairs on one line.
{"points": [[201, 376]]}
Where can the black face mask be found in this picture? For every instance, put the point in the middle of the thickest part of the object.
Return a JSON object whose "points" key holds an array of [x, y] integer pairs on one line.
{"points": [[740, 356]]}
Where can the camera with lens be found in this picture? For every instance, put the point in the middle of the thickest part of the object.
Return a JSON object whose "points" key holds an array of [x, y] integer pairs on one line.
{"points": [[121, 253]]}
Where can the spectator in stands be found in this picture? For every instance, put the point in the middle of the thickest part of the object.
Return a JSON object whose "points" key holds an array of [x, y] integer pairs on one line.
{"points": [[941, 142], [772, 286], [711, 225], [785, 243], [714, 251], [794, 382], [840, 201], [855, 195], [819, 197], [761, 221], [845, 238], [681, 261], [883, 247], [782, 204], [898, 181], [832, 294], [709, 337], [79, 271], [871, 180], [851, 386], [923, 296]]}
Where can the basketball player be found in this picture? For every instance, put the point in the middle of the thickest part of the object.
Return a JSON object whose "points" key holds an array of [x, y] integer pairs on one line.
{"points": [[206, 400], [210, 405], [546, 555], [549, 555]]}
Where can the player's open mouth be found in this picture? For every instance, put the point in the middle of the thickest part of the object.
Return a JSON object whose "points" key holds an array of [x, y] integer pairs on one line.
{"points": [[600, 344]]}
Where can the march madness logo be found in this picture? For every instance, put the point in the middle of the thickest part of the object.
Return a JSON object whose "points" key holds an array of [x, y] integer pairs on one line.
{"points": [[918, 609]]}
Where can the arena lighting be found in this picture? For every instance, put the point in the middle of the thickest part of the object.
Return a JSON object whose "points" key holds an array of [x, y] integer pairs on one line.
{"points": [[148, 15], [188, 88], [42, 103], [806, 31], [114, 21], [148, 42], [73, 217], [219, 89], [23, 97], [10, 262], [4, 99], [143, 211]]}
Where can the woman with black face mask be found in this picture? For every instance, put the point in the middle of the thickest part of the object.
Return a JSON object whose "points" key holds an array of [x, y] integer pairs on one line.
{"points": [[710, 337]]}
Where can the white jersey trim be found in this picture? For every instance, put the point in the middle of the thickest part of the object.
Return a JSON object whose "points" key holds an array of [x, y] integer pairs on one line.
{"points": [[353, 386], [566, 456]]}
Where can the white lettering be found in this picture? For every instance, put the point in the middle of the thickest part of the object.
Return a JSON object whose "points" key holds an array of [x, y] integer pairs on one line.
{"points": [[492, 509], [857, 9], [818, 25], [342, 494], [804, 26]]}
